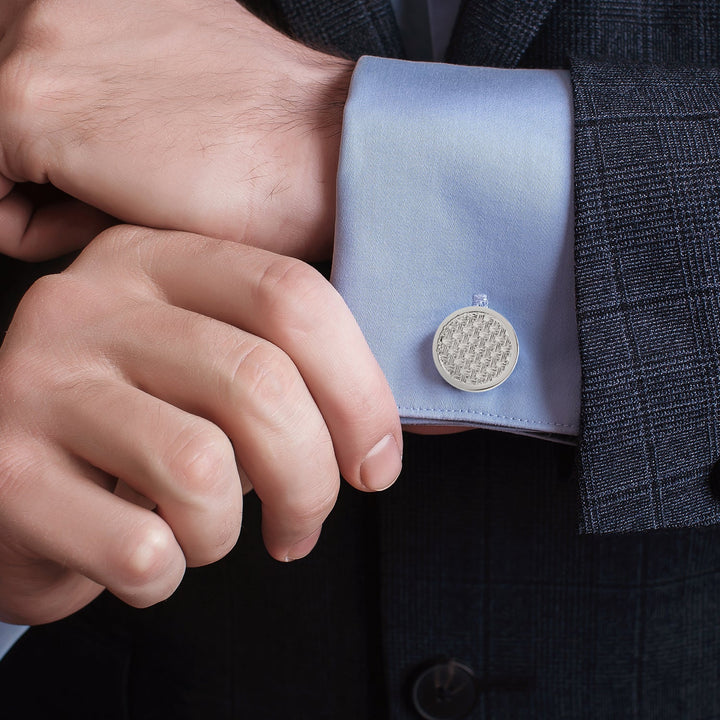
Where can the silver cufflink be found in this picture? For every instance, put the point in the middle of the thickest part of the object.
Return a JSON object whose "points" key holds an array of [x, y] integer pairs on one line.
{"points": [[475, 348]]}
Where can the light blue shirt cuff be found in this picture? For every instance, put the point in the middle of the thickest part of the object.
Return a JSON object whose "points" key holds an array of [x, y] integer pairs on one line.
{"points": [[9, 635], [456, 181]]}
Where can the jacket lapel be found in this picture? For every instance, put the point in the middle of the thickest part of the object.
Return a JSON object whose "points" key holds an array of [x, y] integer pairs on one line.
{"points": [[496, 33], [355, 27]]}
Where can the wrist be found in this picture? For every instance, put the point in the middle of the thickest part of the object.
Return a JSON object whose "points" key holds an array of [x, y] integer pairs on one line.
{"points": [[308, 147], [291, 125], [326, 108]]}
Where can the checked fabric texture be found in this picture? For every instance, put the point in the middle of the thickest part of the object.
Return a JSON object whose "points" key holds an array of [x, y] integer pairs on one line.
{"points": [[647, 104], [648, 287]]}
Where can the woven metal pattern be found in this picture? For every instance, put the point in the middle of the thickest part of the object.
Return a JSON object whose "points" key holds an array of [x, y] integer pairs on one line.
{"points": [[475, 349]]}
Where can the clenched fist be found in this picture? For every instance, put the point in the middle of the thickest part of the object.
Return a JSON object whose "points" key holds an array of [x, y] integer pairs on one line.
{"points": [[143, 388]]}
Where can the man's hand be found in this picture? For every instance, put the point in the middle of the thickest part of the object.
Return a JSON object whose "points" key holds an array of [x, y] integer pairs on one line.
{"points": [[170, 361], [183, 114]]}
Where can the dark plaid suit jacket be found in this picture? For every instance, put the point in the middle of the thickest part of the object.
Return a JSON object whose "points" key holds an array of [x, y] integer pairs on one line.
{"points": [[647, 115], [475, 555]]}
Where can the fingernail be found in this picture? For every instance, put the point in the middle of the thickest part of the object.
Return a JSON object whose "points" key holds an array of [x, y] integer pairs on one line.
{"points": [[382, 465], [303, 548]]}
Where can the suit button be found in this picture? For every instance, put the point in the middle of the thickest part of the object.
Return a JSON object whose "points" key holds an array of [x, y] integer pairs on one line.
{"points": [[445, 691]]}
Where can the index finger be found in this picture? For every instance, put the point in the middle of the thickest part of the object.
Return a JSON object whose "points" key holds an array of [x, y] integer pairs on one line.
{"points": [[291, 305]]}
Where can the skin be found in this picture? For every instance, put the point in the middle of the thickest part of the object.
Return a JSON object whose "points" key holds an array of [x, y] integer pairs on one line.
{"points": [[178, 114], [187, 367], [164, 373]]}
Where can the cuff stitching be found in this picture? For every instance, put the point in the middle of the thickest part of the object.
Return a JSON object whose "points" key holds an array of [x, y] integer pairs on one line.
{"points": [[482, 413]]}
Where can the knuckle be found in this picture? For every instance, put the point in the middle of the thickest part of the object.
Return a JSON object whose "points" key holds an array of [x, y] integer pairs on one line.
{"points": [[199, 461], [315, 504], [144, 556], [40, 301], [130, 252], [47, 342], [47, 304], [219, 540], [45, 291], [368, 407], [292, 294], [263, 375], [116, 243]]}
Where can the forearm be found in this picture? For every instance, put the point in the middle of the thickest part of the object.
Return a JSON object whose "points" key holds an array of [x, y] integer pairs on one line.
{"points": [[218, 124]]}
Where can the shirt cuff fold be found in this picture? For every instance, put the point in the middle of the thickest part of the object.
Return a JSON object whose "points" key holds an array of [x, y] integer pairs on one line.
{"points": [[457, 181]]}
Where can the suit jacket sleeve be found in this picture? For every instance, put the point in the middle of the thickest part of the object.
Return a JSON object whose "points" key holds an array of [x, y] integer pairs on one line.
{"points": [[646, 274], [647, 225], [646, 203]]}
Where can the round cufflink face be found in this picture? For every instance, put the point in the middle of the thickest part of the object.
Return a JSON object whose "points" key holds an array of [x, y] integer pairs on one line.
{"points": [[475, 349]]}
